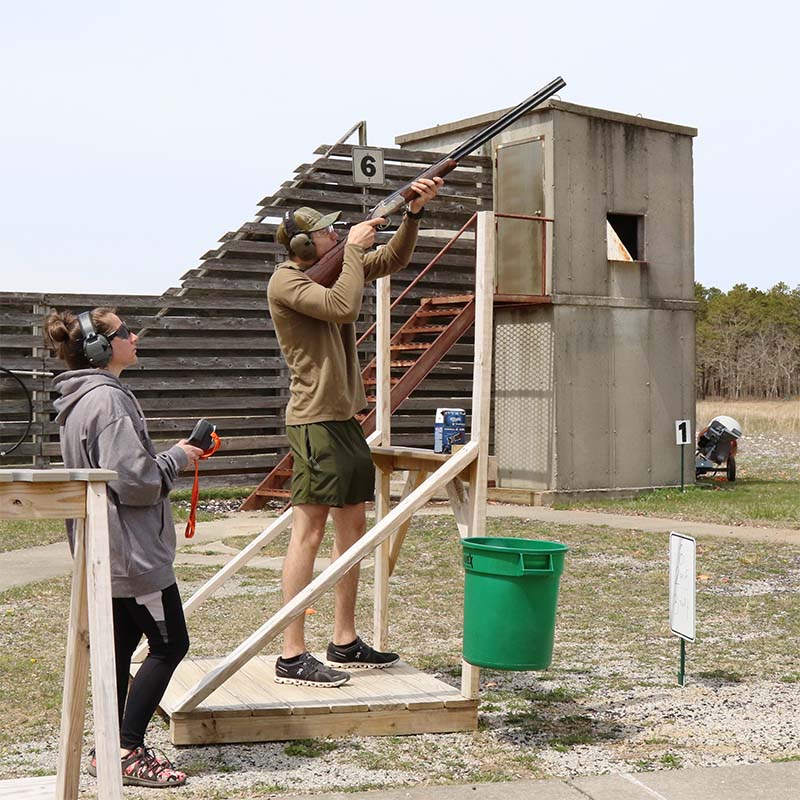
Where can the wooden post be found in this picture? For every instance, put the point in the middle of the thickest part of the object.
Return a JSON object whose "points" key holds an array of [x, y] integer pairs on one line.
{"points": [[40, 418], [481, 399], [383, 423], [101, 636], [414, 480], [79, 495], [76, 675]]}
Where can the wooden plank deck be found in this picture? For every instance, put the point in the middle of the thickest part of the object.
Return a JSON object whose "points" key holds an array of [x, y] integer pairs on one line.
{"points": [[251, 707]]}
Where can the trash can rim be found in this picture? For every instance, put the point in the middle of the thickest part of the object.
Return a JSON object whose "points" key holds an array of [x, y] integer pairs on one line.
{"points": [[482, 543]]}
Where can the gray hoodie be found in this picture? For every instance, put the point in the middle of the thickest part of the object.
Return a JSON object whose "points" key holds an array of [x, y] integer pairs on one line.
{"points": [[102, 426]]}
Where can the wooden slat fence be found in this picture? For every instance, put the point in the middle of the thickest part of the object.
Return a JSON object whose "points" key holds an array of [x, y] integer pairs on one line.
{"points": [[208, 347]]}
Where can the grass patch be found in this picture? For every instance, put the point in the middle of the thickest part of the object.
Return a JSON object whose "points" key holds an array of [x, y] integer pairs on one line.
{"points": [[670, 761], [19, 534], [309, 748], [32, 649], [725, 675], [181, 514], [211, 493], [745, 502], [755, 416]]}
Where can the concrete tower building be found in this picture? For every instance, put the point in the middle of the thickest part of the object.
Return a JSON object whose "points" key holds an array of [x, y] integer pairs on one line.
{"points": [[590, 378]]}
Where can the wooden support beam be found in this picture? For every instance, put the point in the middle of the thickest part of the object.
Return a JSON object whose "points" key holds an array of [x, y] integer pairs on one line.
{"points": [[459, 500], [76, 675], [413, 481], [383, 426], [481, 399], [383, 334], [381, 569], [56, 500], [327, 578], [101, 635]]}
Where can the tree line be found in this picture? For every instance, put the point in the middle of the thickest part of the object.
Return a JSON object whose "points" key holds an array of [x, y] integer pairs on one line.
{"points": [[748, 342]]}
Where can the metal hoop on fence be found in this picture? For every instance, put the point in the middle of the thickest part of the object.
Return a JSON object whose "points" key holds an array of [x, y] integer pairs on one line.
{"points": [[20, 390]]}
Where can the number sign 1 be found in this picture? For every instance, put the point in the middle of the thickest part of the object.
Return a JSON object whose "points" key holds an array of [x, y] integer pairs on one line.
{"points": [[368, 166], [683, 431]]}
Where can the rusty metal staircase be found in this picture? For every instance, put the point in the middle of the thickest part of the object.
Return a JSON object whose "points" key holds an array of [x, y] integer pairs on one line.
{"points": [[416, 348]]}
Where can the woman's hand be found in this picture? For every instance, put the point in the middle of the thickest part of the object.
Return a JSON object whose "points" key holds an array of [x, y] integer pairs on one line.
{"points": [[192, 453]]}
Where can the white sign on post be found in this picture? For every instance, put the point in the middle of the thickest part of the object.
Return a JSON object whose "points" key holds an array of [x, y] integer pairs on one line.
{"points": [[682, 582], [683, 431], [368, 166]]}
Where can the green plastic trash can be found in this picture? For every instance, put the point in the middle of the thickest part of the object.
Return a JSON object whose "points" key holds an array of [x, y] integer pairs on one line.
{"points": [[510, 599]]}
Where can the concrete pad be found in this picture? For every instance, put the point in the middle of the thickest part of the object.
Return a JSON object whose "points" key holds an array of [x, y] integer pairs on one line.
{"points": [[20, 567], [746, 782], [238, 524], [516, 790], [28, 788]]}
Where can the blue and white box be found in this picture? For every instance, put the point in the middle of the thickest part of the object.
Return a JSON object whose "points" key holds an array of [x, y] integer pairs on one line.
{"points": [[450, 427]]}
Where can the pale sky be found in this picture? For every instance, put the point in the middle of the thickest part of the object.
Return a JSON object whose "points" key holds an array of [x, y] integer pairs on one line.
{"points": [[134, 134]]}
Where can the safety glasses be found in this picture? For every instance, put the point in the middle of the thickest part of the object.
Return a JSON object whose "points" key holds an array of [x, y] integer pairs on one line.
{"points": [[120, 333]]}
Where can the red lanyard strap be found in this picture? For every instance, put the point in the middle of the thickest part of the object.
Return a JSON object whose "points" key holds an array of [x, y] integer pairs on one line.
{"points": [[191, 523]]}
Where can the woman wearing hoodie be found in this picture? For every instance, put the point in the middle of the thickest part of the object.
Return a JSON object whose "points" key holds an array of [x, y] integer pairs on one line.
{"points": [[102, 426]]}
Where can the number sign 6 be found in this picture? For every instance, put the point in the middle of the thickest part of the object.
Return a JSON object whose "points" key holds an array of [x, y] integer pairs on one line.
{"points": [[368, 166]]}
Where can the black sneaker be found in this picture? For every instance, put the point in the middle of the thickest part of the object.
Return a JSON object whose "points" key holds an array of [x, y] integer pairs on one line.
{"points": [[360, 655], [306, 670]]}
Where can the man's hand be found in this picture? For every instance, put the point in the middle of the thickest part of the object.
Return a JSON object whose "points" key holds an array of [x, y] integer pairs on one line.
{"points": [[427, 189], [363, 234]]}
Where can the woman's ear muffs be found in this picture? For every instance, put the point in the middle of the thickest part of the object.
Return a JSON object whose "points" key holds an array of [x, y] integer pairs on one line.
{"points": [[96, 347]]}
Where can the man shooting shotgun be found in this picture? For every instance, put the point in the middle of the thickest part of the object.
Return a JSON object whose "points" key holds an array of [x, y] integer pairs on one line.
{"points": [[314, 300]]}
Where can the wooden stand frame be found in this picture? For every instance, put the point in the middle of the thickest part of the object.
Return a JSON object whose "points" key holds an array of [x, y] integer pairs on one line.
{"points": [[428, 473], [78, 495]]}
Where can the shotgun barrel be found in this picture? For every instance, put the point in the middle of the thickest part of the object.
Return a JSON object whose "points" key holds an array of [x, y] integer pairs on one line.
{"points": [[329, 267]]}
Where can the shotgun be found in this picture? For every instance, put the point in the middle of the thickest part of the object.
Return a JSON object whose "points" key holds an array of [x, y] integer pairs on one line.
{"points": [[329, 267]]}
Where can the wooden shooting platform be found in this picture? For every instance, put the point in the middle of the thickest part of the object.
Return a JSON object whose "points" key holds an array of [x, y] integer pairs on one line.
{"points": [[251, 707], [235, 698]]}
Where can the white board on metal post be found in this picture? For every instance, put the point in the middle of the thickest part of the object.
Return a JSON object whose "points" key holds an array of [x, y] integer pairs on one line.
{"points": [[683, 431], [368, 166], [682, 582]]}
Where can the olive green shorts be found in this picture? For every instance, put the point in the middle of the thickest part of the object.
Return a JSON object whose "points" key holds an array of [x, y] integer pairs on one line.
{"points": [[332, 464]]}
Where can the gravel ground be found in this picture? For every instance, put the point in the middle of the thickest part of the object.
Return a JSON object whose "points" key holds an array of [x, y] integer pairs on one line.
{"points": [[599, 710], [596, 711], [655, 726]]}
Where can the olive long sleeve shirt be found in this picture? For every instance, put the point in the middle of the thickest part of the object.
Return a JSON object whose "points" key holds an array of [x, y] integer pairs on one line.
{"points": [[316, 330]]}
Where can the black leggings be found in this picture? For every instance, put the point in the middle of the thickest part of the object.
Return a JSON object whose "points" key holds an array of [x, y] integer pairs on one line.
{"points": [[168, 643]]}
